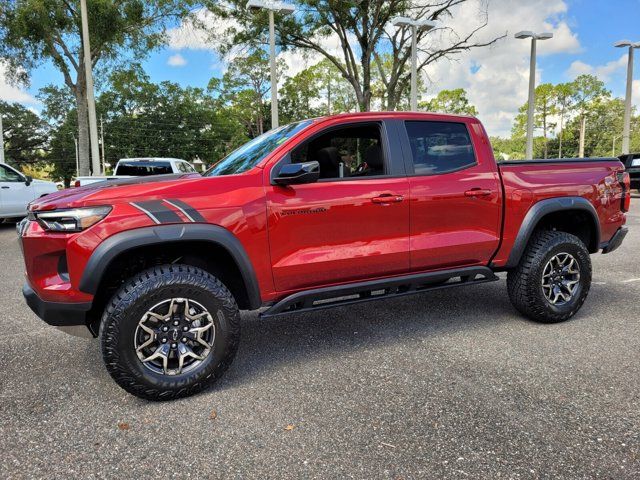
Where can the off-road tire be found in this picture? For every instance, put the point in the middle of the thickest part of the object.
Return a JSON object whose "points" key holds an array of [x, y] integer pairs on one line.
{"points": [[524, 283], [135, 297]]}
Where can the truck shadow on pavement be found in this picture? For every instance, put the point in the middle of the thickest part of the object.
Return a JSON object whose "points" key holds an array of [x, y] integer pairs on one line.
{"points": [[266, 345]]}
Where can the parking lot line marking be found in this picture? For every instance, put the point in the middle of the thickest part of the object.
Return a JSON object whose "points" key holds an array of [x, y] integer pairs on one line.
{"points": [[631, 280]]}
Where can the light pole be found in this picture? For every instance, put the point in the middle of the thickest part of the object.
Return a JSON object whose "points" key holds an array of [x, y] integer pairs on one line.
{"points": [[532, 82], [1, 141], [626, 129], [272, 7], [613, 145], [91, 102], [416, 26]]}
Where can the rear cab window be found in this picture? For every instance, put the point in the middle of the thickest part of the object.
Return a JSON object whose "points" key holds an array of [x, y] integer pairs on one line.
{"points": [[142, 169], [439, 147]]}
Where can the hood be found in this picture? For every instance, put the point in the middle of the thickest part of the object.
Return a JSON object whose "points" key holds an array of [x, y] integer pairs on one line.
{"points": [[116, 189]]}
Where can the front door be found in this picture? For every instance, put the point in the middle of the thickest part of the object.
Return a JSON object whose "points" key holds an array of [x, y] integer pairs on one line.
{"points": [[353, 224]]}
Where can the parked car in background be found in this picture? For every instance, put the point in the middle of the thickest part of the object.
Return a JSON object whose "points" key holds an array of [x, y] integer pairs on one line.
{"points": [[140, 167], [17, 190], [631, 163]]}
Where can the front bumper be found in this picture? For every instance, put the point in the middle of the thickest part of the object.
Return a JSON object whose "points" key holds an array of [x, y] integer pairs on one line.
{"points": [[615, 241], [54, 313]]}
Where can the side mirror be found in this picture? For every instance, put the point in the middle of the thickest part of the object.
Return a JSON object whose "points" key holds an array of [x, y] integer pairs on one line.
{"points": [[28, 180], [298, 173]]}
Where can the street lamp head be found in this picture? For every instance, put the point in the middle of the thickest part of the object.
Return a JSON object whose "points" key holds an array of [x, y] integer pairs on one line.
{"points": [[627, 43], [280, 7], [524, 34], [255, 5], [544, 36], [401, 21]]}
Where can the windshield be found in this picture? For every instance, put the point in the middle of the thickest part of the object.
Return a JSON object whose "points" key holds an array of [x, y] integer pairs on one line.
{"points": [[251, 153]]}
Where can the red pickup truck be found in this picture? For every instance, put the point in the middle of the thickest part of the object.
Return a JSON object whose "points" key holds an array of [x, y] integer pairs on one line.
{"points": [[319, 213]]}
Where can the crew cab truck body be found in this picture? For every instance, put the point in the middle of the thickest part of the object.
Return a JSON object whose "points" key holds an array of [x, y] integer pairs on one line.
{"points": [[325, 212]]}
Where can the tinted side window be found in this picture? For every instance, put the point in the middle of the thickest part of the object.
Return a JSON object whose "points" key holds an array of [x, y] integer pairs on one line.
{"points": [[8, 175], [352, 151], [439, 147]]}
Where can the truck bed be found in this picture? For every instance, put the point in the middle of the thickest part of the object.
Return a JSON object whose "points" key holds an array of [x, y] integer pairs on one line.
{"points": [[526, 182]]}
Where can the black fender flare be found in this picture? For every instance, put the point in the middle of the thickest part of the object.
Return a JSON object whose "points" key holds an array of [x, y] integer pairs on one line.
{"points": [[538, 211], [113, 246]]}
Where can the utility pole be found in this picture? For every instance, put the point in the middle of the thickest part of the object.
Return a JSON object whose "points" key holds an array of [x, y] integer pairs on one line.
{"points": [[1, 141], [75, 142], [104, 161], [91, 102], [272, 7], [626, 129], [416, 26], [532, 83]]}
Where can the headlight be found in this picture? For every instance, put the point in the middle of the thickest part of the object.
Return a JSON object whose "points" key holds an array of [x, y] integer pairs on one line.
{"points": [[73, 220]]}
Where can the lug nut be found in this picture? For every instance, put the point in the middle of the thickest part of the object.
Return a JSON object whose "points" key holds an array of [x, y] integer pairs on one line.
{"points": [[165, 329], [185, 328], [176, 322], [164, 340], [174, 345], [184, 339]]}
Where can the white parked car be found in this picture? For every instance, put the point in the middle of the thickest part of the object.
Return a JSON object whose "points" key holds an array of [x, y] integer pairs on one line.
{"points": [[140, 167], [17, 190]]}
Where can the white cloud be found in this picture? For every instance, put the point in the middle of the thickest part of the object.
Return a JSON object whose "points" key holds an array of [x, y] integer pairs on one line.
{"points": [[496, 78], [177, 60], [603, 72], [11, 93]]}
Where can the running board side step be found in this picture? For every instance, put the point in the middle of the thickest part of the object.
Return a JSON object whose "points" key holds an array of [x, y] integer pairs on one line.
{"points": [[352, 293]]}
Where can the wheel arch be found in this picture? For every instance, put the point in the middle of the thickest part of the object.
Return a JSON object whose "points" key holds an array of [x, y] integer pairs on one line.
{"points": [[575, 215], [214, 236]]}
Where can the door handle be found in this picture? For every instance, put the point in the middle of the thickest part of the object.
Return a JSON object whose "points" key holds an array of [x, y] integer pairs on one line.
{"points": [[387, 198], [6, 188], [478, 192]]}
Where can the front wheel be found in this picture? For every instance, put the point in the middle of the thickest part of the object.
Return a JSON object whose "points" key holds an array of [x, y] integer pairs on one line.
{"points": [[552, 279], [169, 332]]}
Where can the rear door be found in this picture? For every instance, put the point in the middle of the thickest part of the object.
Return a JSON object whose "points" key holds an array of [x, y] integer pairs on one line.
{"points": [[352, 224], [455, 194]]}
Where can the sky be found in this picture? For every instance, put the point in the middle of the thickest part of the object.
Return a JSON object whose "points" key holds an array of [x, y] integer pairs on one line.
{"points": [[496, 77]]}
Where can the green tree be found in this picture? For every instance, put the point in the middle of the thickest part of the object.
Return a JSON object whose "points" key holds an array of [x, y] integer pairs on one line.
{"points": [[450, 101], [587, 89], [564, 93], [544, 110], [146, 119], [245, 85], [361, 28], [25, 134], [35, 31]]}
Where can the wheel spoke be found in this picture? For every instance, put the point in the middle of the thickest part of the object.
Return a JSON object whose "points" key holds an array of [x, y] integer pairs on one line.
{"points": [[560, 278], [174, 336]]}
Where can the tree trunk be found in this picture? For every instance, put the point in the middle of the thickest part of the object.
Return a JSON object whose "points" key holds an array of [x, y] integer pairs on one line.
{"points": [[544, 129], [84, 153]]}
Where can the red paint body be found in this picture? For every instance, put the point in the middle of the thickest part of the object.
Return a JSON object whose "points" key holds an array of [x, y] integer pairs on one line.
{"points": [[333, 232]]}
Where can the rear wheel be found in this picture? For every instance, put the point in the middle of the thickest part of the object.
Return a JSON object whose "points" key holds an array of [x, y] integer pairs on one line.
{"points": [[553, 278], [169, 332]]}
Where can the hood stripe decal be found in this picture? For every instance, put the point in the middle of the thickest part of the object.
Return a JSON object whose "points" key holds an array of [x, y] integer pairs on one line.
{"points": [[157, 211], [187, 210]]}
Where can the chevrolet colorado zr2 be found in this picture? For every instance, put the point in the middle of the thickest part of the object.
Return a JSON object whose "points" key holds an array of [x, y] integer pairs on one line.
{"points": [[319, 213]]}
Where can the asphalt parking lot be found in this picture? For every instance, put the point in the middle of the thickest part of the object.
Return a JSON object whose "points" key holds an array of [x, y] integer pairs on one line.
{"points": [[449, 384]]}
